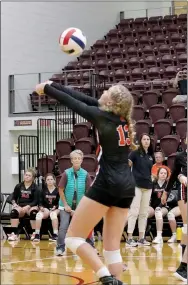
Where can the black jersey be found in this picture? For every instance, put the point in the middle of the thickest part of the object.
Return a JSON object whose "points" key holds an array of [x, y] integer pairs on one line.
{"points": [[113, 137], [180, 166], [157, 192], [26, 196], [49, 199]]}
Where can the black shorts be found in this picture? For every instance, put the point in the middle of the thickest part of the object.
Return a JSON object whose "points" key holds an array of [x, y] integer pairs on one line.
{"points": [[103, 197], [182, 193]]}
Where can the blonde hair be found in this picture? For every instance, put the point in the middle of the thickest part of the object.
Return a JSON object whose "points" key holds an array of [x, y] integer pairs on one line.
{"points": [[76, 151], [32, 171], [122, 106]]}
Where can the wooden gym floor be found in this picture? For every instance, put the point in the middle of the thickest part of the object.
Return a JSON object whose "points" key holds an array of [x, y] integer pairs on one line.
{"points": [[24, 262]]}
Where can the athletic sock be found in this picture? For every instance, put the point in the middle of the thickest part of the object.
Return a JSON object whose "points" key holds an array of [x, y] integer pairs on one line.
{"points": [[103, 272]]}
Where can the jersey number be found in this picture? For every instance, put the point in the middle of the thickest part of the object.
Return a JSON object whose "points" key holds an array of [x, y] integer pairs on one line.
{"points": [[121, 132]]}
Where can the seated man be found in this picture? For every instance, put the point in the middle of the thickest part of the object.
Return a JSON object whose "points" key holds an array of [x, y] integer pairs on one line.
{"points": [[159, 158]]}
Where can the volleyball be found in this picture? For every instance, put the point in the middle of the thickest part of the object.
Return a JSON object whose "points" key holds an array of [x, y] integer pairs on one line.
{"points": [[72, 41]]}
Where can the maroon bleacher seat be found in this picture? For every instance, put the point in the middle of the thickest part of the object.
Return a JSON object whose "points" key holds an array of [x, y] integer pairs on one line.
{"points": [[180, 48], [86, 145], [182, 18], [164, 49], [167, 60], [150, 61], [181, 127], [169, 19], [138, 112], [134, 62], [168, 95], [148, 50], [45, 165], [142, 126], [157, 112], [169, 144], [81, 130], [155, 20], [162, 127], [90, 163], [64, 163], [150, 98], [182, 59], [125, 23], [170, 160], [117, 63], [177, 112], [64, 147]]}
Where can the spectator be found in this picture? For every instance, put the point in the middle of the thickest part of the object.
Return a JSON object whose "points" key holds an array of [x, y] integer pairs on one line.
{"points": [[141, 161], [159, 210], [181, 82], [48, 205], [24, 201], [74, 182], [159, 159]]}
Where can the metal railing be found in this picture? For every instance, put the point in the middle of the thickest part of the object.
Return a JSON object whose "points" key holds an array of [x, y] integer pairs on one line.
{"points": [[156, 11], [21, 87]]}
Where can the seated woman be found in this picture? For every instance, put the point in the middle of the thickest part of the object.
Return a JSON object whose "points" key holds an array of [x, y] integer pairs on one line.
{"points": [[24, 201], [48, 207], [156, 207]]}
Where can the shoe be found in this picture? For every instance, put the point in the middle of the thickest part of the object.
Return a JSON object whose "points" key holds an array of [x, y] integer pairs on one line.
{"points": [[143, 242], [131, 243], [60, 251], [181, 273], [110, 280], [158, 240], [172, 239], [54, 237], [13, 237], [37, 237], [32, 237]]}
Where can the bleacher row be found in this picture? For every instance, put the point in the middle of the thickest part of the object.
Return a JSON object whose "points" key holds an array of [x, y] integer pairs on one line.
{"points": [[142, 53]]}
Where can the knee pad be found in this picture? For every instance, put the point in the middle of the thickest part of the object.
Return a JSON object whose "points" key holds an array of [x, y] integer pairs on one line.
{"points": [[73, 243], [184, 229], [39, 216], [53, 215], [171, 216], [112, 257], [158, 214], [33, 214], [14, 214]]}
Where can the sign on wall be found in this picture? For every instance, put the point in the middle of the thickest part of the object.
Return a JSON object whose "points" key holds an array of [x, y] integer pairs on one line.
{"points": [[22, 123]]}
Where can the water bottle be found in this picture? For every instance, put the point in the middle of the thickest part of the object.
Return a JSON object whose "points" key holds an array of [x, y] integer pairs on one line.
{"points": [[179, 234]]}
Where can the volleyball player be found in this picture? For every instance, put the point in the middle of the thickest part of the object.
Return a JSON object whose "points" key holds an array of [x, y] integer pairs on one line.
{"points": [[114, 188], [180, 172]]}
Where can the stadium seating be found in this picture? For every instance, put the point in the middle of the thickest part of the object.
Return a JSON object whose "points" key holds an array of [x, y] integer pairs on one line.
{"points": [[144, 54], [150, 49]]}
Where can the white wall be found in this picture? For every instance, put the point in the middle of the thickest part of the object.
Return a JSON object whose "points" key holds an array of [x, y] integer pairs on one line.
{"points": [[29, 44]]}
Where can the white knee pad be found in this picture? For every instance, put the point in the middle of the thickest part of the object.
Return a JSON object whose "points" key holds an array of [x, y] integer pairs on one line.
{"points": [[73, 243], [39, 216], [184, 229], [171, 216], [158, 214], [112, 257], [53, 215]]}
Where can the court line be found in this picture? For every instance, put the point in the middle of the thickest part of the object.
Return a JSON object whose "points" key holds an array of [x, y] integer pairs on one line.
{"points": [[81, 281]]}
